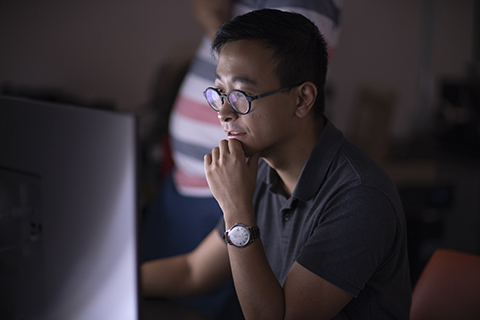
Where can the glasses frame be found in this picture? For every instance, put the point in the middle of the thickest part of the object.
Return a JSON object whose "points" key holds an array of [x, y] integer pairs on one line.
{"points": [[249, 98]]}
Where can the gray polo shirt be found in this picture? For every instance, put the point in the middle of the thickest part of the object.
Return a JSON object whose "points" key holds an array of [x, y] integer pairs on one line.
{"points": [[344, 222]]}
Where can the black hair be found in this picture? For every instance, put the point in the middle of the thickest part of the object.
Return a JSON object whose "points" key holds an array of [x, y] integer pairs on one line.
{"points": [[298, 46]]}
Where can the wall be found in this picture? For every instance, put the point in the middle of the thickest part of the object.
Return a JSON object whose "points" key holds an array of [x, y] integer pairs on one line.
{"points": [[398, 45], [111, 49], [106, 49]]}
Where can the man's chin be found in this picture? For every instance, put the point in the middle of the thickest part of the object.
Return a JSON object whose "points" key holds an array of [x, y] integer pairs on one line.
{"points": [[247, 151]]}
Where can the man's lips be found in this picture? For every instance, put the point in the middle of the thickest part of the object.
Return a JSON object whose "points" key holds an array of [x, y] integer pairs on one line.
{"points": [[235, 134]]}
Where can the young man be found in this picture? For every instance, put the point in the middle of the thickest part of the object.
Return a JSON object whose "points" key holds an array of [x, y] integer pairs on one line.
{"points": [[315, 229], [184, 210]]}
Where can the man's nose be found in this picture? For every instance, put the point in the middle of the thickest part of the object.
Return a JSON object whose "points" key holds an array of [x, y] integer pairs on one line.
{"points": [[226, 112]]}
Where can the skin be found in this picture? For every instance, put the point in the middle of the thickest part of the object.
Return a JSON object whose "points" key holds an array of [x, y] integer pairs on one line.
{"points": [[211, 14], [280, 129]]}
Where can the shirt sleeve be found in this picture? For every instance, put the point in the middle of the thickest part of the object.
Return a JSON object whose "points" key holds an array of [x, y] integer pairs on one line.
{"points": [[352, 239]]}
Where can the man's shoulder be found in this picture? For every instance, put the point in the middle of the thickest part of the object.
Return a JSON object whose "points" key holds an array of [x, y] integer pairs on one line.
{"points": [[367, 171]]}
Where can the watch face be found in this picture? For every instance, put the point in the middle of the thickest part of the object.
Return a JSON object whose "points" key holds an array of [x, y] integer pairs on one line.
{"points": [[239, 236]]}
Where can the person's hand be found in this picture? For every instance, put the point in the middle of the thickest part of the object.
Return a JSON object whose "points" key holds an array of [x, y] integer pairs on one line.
{"points": [[232, 179], [211, 14]]}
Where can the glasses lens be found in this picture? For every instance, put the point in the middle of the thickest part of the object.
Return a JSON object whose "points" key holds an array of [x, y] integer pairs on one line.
{"points": [[239, 101], [214, 99]]}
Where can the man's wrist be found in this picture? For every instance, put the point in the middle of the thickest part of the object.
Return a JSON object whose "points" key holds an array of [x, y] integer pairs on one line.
{"points": [[243, 216]]}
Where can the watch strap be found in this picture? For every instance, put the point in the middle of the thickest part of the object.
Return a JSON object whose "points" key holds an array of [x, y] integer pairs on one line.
{"points": [[254, 232]]}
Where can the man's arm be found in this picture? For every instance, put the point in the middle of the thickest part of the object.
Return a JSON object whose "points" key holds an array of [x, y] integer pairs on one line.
{"points": [[193, 273], [304, 294], [211, 14], [311, 297]]}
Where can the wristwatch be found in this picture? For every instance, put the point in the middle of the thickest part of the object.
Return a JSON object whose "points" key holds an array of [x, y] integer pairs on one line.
{"points": [[240, 235]]}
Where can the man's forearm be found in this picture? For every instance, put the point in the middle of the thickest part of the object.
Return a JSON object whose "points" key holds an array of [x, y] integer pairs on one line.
{"points": [[258, 290], [166, 278], [193, 273]]}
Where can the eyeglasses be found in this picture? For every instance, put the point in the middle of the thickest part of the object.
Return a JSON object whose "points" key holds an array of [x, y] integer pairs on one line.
{"points": [[238, 100]]}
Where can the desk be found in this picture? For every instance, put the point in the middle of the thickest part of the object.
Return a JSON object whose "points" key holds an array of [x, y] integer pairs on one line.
{"points": [[164, 309]]}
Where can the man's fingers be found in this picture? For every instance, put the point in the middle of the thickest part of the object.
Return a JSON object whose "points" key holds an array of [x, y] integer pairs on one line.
{"points": [[223, 146], [224, 151], [235, 147], [207, 159], [215, 153]]}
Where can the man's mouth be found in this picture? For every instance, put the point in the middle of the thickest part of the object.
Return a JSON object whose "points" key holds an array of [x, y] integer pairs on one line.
{"points": [[235, 134]]}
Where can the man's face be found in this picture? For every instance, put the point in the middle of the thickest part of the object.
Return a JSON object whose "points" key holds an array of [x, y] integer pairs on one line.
{"points": [[248, 66]]}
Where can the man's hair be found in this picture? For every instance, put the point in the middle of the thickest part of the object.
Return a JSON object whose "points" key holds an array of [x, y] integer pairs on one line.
{"points": [[297, 45]]}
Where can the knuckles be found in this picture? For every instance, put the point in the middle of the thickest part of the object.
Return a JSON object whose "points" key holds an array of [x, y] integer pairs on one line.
{"points": [[227, 155]]}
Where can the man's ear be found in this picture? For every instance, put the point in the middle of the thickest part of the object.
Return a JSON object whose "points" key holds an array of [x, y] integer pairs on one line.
{"points": [[307, 94]]}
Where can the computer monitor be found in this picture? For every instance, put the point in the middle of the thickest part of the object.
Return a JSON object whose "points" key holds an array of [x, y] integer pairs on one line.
{"points": [[68, 212]]}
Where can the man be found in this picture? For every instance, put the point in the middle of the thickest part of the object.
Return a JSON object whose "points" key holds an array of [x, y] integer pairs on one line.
{"points": [[328, 230], [184, 211]]}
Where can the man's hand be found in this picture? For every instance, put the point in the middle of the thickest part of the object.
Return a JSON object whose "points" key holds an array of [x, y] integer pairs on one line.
{"points": [[232, 179]]}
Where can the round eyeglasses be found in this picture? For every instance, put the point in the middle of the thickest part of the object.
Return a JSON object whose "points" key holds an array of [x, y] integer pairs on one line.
{"points": [[238, 100]]}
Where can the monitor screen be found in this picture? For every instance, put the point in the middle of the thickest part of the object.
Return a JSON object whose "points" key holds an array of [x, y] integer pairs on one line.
{"points": [[68, 212]]}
